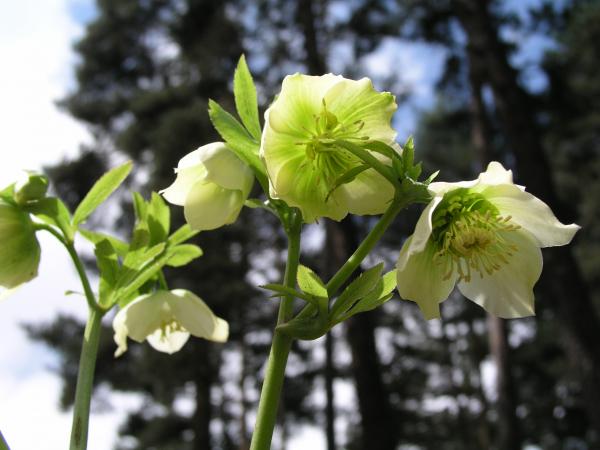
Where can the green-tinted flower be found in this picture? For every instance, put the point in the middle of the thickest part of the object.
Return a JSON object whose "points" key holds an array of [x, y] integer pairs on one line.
{"points": [[166, 319], [212, 185], [30, 186], [485, 235], [19, 248], [298, 145]]}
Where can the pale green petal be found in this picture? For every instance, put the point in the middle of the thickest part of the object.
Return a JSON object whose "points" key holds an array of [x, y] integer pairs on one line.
{"points": [[300, 100], [508, 292], [495, 174], [440, 188], [368, 193], [19, 249], [196, 317], [169, 342], [224, 168], [421, 279], [357, 100], [304, 188], [532, 214], [209, 206]]}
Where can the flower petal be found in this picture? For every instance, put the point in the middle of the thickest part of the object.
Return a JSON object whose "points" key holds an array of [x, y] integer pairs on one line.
{"points": [[224, 168], [496, 174], [169, 342], [508, 292], [186, 178], [139, 318], [421, 279], [368, 193], [196, 317], [417, 242], [209, 206], [532, 214], [357, 100]]}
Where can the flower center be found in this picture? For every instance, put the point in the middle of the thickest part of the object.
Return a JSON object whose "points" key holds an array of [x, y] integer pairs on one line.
{"points": [[468, 232], [322, 153], [169, 326]]}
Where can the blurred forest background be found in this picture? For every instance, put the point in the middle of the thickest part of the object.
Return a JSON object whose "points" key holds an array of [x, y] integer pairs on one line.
{"points": [[386, 379]]}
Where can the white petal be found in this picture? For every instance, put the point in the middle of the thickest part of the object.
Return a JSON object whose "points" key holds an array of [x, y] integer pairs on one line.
{"points": [[417, 242], [209, 206], [170, 342], [532, 214], [186, 178], [421, 279], [142, 316], [508, 292], [496, 174], [196, 317]]}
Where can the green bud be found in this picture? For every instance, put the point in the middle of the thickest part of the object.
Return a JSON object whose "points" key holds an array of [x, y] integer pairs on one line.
{"points": [[31, 186], [20, 250]]}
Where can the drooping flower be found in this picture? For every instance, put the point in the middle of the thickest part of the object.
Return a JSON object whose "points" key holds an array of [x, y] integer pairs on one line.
{"points": [[19, 248], [212, 185], [484, 235], [298, 145], [166, 319]]}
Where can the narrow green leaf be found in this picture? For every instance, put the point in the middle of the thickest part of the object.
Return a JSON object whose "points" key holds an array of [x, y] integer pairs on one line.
{"points": [[121, 247], [182, 234], [310, 283], [383, 149], [245, 98], [378, 296], [159, 219], [8, 193], [237, 137], [181, 255], [283, 290], [140, 207], [360, 287], [52, 211], [306, 328], [108, 266], [105, 186], [346, 177]]}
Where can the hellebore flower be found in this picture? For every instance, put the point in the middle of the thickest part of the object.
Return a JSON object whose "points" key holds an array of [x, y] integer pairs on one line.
{"points": [[19, 248], [166, 319], [301, 156], [485, 235], [212, 185]]}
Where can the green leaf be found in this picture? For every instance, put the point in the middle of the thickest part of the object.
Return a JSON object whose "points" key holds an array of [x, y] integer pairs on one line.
{"points": [[237, 138], [245, 98], [140, 207], [181, 255], [182, 234], [108, 266], [105, 186], [378, 296], [307, 327], [282, 290], [52, 211], [8, 193], [360, 287], [408, 154], [121, 247], [310, 283], [383, 149], [159, 219], [347, 177]]}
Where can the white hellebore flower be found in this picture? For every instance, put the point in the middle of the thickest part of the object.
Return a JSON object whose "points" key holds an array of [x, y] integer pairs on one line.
{"points": [[166, 319], [485, 235], [212, 185]]}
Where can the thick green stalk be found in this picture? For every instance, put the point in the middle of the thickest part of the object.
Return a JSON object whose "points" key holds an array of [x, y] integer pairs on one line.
{"points": [[85, 380], [280, 349], [3, 444]]}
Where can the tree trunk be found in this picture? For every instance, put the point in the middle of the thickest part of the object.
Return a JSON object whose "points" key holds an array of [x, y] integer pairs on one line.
{"points": [[481, 137], [562, 284]]}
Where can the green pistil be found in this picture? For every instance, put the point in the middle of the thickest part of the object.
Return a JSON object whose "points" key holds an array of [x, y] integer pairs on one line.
{"points": [[468, 232], [321, 152]]}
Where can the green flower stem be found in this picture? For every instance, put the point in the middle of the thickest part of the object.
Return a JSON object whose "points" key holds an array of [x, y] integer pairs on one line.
{"points": [[365, 246], [85, 380], [368, 158], [3, 444], [280, 348]]}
